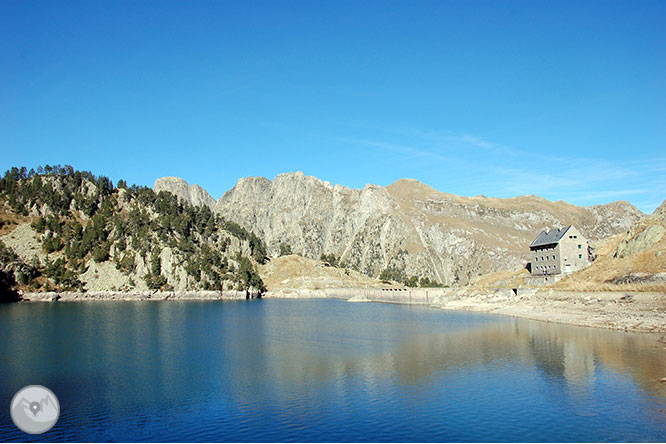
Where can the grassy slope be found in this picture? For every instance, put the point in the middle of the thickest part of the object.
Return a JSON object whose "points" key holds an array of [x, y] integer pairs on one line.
{"points": [[297, 272], [639, 271]]}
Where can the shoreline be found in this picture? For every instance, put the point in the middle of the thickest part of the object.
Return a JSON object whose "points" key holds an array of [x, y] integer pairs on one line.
{"points": [[203, 295], [643, 312]]}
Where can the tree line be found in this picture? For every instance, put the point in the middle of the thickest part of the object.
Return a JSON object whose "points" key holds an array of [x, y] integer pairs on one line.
{"points": [[85, 217]]}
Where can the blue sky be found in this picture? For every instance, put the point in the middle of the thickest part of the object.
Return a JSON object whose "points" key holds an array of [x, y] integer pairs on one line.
{"points": [[566, 100]]}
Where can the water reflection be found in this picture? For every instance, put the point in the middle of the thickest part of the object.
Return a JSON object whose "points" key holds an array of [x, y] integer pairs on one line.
{"points": [[289, 363], [297, 348], [299, 351]]}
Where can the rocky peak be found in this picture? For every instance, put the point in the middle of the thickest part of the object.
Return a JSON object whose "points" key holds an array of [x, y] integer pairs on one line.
{"points": [[408, 226], [644, 234], [192, 194], [410, 188], [660, 212]]}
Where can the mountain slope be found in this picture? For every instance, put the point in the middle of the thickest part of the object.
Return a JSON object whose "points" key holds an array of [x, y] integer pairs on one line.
{"points": [[644, 234], [633, 261], [407, 228], [294, 272], [71, 230], [192, 194]]}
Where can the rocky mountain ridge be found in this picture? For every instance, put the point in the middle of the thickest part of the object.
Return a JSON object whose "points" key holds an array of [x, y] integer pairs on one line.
{"points": [[192, 194], [68, 230], [644, 234], [406, 228]]}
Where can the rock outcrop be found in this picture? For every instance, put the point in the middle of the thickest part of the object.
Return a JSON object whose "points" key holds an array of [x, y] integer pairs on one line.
{"points": [[408, 226], [52, 296], [72, 231], [192, 194], [644, 234]]}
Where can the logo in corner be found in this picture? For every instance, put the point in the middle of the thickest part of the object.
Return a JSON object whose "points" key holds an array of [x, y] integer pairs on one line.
{"points": [[35, 409]]}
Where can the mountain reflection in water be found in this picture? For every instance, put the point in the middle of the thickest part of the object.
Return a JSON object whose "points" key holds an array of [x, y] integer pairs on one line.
{"points": [[298, 370]]}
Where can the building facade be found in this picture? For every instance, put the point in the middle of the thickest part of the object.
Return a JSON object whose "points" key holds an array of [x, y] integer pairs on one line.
{"points": [[559, 251]]}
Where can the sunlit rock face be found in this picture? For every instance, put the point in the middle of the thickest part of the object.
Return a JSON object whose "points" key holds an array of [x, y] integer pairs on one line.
{"points": [[407, 226], [644, 234], [193, 194]]}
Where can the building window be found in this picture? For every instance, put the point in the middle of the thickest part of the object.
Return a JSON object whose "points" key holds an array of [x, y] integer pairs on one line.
{"points": [[580, 246], [580, 256]]}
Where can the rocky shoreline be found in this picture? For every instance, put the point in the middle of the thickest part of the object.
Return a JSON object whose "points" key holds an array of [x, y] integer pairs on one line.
{"points": [[628, 311], [616, 310], [138, 296]]}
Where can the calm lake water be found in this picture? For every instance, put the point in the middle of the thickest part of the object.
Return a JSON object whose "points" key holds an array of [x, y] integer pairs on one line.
{"points": [[326, 370]]}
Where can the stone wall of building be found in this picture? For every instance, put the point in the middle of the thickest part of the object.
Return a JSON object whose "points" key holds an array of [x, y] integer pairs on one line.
{"points": [[568, 255], [573, 248], [546, 259]]}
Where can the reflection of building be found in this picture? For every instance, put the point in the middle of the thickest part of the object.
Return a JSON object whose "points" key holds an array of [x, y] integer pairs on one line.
{"points": [[559, 251], [579, 364], [561, 354]]}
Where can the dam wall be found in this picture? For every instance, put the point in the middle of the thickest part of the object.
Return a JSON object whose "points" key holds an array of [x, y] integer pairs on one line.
{"points": [[413, 296]]}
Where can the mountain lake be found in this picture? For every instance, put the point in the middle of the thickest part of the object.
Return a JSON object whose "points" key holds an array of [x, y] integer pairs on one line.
{"points": [[326, 370]]}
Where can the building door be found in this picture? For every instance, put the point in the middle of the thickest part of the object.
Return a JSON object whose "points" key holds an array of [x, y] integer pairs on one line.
{"points": [[567, 268]]}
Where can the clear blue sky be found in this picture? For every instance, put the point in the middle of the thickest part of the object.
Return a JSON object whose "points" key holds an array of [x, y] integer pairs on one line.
{"points": [[566, 100]]}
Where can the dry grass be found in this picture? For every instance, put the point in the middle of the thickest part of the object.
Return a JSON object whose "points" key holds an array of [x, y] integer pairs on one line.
{"points": [[567, 285], [606, 247], [502, 279], [606, 268], [295, 271], [434, 208], [599, 276]]}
